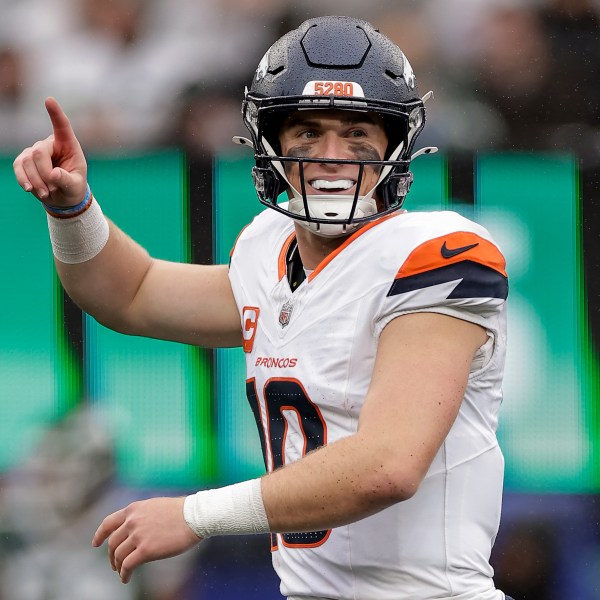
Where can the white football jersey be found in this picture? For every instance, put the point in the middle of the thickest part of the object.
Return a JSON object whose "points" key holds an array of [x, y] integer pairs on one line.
{"points": [[310, 355]]}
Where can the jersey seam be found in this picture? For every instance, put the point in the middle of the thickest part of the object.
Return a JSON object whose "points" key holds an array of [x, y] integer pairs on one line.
{"points": [[446, 519], [471, 457], [476, 375], [382, 321], [355, 426]]}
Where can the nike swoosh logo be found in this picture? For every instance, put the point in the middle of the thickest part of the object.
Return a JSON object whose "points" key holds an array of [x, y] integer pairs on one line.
{"points": [[450, 252]]}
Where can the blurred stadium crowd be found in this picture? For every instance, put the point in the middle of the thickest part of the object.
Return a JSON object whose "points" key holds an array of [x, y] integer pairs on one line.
{"points": [[507, 74], [136, 74]]}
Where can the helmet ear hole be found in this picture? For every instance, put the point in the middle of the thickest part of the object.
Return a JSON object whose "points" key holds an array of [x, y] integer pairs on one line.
{"points": [[395, 188], [267, 183]]}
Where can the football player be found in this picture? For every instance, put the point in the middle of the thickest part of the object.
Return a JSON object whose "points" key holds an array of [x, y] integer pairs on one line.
{"points": [[374, 336]]}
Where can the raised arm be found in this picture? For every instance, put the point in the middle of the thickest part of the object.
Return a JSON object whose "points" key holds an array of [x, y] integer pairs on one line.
{"points": [[121, 285]]}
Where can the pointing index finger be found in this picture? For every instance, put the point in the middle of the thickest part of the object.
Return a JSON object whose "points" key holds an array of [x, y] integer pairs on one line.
{"points": [[63, 132]]}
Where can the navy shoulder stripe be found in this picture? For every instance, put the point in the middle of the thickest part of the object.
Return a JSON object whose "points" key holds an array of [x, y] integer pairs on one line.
{"points": [[474, 281]]}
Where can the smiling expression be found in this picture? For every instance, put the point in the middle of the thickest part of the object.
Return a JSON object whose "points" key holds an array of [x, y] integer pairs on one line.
{"points": [[347, 135]]}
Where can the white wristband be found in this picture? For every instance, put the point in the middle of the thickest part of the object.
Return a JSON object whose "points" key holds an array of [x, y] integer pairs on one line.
{"points": [[232, 510], [77, 239]]}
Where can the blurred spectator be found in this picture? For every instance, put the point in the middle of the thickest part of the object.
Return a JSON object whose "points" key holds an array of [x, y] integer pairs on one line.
{"points": [[205, 118], [438, 38], [12, 76], [121, 64], [514, 76], [548, 546], [28, 28], [525, 561], [49, 509], [507, 74], [573, 28], [537, 69], [114, 71], [49, 505]]}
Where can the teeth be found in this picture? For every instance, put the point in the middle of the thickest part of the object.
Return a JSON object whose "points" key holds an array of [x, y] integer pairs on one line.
{"points": [[340, 184]]}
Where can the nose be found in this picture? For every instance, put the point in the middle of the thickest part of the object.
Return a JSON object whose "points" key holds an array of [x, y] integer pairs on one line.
{"points": [[331, 145]]}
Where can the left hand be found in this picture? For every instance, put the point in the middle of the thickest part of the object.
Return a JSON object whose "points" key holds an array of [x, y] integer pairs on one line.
{"points": [[145, 531]]}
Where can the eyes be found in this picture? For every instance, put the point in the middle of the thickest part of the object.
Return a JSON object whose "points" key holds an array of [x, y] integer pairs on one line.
{"points": [[313, 134], [308, 134]]}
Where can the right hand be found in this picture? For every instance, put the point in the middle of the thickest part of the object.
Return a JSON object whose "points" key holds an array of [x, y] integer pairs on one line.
{"points": [[145, 531], [54, 170]]}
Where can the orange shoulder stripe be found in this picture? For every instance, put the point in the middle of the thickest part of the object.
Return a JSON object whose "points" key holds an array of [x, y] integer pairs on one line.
{"points": [[450, 249]]}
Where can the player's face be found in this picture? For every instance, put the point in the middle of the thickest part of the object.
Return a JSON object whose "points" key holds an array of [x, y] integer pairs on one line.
{"points": [[333, 134]]}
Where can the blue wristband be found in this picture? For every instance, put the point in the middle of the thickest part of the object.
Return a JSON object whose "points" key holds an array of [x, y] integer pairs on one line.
{"points": [[70, 211]]}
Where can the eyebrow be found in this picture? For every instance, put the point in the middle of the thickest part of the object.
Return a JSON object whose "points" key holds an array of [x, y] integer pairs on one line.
{"points": [[297, 119]]}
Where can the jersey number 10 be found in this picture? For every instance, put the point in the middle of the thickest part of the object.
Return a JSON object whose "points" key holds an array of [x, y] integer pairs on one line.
{"points": [[283, 396]]}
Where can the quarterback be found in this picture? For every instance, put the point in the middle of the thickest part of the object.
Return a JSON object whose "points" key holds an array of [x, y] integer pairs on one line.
{"points": [[374, 337]]}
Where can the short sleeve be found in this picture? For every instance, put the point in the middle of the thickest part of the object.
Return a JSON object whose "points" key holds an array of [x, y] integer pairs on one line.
{"points": [[461, 274]]}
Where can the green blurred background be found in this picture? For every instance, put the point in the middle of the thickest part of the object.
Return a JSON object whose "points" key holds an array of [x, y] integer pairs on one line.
{"points": [[178, 414]]}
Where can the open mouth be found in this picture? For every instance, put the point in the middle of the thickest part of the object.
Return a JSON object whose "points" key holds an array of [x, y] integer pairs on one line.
{"points": [[336, 186]]}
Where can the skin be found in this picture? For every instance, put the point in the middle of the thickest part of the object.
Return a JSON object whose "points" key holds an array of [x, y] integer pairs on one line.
{"points": [[331, 134], [421, 369]]}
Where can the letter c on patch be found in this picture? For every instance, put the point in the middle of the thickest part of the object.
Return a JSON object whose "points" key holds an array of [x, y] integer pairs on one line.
{"points": [[249, 324]]}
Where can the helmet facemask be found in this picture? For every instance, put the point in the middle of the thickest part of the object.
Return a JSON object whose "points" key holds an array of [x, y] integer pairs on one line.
{"points": [[331, 215]]}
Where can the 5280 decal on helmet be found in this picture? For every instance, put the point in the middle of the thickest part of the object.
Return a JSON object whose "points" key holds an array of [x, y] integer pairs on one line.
{"points": [[333, 88]]}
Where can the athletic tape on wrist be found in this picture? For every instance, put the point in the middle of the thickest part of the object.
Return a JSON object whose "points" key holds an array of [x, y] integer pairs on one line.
{"points": [[80, 238], [232, 510]]}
